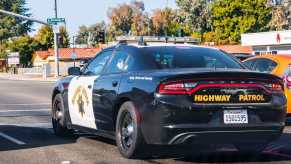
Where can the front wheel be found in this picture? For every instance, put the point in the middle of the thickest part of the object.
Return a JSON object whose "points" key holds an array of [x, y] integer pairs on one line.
{"points": [[129, 138], [59, 117]]}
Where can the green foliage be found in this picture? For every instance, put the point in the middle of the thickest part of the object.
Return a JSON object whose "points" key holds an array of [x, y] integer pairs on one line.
{"points": [[25, 45], [231, 18], [45, 38], [196, 14], [89, 34], [64, 40], [11, 26]]}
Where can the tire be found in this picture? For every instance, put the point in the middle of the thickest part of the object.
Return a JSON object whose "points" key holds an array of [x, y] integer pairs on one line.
{"points": [[251, 149], [129, 137], [59, 117]]}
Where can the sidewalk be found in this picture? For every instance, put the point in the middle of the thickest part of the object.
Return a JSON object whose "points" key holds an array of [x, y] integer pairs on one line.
{"points": [[9, 76]]}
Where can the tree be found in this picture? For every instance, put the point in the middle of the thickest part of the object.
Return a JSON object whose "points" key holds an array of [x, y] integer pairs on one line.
{"points": [[279, 19], [89, 34], [11, 26], [120, 19], [197, 14], [231, 18], [45, 38], [163, 21], [140, 20], [82, 36], [64, 40], [25, 46]]}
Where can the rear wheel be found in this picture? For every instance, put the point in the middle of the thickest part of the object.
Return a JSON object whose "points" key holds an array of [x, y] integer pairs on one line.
{"points": [[59, 117], [128, 133]]}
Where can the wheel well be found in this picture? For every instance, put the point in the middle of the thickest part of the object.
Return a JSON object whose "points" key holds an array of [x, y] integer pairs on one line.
{"points": [[117, 107], [55, 92]]}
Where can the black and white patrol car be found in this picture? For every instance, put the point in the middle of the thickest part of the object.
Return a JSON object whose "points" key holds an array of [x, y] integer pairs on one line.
{"points": [[169, 94]]}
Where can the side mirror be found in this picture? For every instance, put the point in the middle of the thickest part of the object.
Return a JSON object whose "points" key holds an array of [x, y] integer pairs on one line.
{"points": [[74, 71], [84, 62]]}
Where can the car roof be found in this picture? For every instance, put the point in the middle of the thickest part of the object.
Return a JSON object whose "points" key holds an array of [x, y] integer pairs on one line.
{"points": [[284, 58], [160, 44]]}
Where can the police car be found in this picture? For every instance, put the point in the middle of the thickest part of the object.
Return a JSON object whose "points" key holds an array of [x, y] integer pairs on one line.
{"points": [[169, 94]]}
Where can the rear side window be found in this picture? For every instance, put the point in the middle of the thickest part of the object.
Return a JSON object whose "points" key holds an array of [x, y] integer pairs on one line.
{"points": [[121, 62], [249, 64], [264, 65], [190, 57]]}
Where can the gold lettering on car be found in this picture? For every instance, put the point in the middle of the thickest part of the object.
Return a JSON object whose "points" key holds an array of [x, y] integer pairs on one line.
{"points": [[212, 98], [227, 98], [253, 98]]}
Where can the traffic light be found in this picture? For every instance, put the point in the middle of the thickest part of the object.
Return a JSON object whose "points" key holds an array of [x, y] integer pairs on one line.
{"points": [[101, 37]]}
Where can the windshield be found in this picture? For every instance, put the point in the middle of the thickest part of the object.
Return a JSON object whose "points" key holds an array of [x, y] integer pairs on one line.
{"points": [[189, 57]]}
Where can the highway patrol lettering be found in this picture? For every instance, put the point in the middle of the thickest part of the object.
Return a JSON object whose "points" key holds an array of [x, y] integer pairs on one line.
{"points": [[252, 98], [212, 98], [227, 98]]}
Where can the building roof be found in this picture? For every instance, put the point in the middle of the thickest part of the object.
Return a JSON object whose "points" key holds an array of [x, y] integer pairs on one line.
{"points": [[65, 53], [236, 49]]}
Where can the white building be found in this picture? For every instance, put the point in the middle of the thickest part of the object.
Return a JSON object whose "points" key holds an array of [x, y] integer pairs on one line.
{"points": [[274, 42]]}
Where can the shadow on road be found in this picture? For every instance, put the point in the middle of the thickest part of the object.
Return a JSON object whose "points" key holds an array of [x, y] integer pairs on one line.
{"points": [[42, 137], [31, 136], [277, 151]]}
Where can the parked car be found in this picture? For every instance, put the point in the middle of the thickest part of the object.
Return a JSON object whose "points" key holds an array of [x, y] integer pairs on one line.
{"points": [[169, 94], [279, 65], [242, 57]]}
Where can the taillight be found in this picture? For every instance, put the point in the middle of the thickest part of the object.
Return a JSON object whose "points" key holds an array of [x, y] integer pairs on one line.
{"points": [[176, 88], [287, 80], [274, 87], [287, 77]]}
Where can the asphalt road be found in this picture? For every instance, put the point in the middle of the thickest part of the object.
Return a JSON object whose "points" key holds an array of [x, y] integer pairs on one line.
{"points": [[26, 137]]}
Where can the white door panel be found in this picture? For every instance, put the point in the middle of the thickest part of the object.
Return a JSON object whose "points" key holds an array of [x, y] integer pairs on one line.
{"points": [[80, 101]]}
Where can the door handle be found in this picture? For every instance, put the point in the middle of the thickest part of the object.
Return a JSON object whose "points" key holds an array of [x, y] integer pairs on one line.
{"points": [[114, 83], [89, 86]]}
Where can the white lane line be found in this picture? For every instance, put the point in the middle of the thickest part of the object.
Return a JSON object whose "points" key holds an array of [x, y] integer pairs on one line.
{"points": [[28, 125], [25, 104], [14, 140], [23, 110]]}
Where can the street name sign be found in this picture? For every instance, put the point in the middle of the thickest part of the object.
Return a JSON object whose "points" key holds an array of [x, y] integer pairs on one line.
{"points": [[74, 55], [55, 21]]}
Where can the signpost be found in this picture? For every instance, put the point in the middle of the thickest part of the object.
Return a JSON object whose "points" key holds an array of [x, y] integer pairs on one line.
{"points": [[54, 22], [74, 57], [13, 58]]}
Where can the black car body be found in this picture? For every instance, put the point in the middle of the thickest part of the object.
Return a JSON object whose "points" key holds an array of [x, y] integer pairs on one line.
{"points": [[179, 94]]}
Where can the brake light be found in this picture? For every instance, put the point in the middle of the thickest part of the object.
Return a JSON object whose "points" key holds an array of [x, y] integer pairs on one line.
{"points": [[287, 80], [176, 88], [287, 77], [179, 88], [275, 87]]}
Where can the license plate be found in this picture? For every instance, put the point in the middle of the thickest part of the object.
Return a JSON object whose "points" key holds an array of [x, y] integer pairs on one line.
{"points": [[235, 116]]}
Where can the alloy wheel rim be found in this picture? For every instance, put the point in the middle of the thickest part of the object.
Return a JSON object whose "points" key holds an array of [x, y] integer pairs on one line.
{"points": [[126, 131]]}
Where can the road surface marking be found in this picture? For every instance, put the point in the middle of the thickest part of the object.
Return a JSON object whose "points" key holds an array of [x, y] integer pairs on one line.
{"points": [[14, 140], [25, 104], [28, 125], [23, 110]]}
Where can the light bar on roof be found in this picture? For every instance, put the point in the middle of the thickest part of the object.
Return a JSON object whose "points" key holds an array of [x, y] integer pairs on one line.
{"points": [[158, 39]]}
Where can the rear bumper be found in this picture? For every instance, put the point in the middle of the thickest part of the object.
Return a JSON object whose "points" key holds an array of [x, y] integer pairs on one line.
{"points": [[221, 135], [165, 124]]}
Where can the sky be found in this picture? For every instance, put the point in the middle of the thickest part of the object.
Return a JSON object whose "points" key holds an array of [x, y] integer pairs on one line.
{"points": [[83, 12]]}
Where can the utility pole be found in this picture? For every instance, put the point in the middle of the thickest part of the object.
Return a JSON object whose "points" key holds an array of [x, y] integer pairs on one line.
{"points": [[57, 70]]}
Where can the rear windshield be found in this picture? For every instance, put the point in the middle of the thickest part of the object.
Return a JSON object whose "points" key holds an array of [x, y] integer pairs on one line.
{"points": [[189, 57]]}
